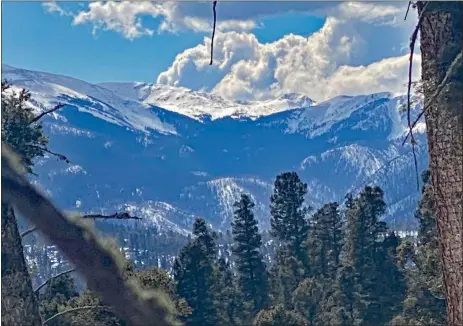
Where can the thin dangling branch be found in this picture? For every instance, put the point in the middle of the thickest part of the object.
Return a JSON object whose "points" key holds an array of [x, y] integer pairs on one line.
{"points": [[213, 31], [410, 68]]}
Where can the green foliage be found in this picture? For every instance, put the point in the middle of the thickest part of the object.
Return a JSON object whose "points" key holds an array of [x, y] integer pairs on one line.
{"points": [[250, 266], [288, 214], [27, 139], [424, 303], [325, 240], [194, 273], [278, 316], [56, 296]]}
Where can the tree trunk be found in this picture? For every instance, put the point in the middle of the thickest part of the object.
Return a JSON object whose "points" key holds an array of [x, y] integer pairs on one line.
{"points": [[19, 304], [441, 43]]}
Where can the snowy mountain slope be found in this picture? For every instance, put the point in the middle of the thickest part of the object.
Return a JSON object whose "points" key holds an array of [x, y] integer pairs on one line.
{"points": [[49, 89], [197, 105], [170, 154]]}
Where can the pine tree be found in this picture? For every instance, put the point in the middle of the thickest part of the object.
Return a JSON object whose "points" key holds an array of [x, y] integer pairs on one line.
{"points": [[363, 234], [288, 214], [424, 303], [325, 241], [307, 299], [250, 266], [194, 273], [19, 304], [229, 301], [57, 294], [289, 227]]}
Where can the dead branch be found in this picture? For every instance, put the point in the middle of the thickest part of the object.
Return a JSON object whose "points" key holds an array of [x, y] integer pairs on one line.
{"points": [[117, 216], [73, 310], [410, 67], [408, 8], [41, 115], [213, 30], [60, 157], [450, 72], [101, 265], [36, 291], [28, 232]]}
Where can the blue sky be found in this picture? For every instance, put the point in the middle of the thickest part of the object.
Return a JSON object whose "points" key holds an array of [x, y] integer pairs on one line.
{"points": [[262, 49]]}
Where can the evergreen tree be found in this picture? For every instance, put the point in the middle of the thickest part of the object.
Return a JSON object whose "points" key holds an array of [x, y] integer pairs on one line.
{"points": [[290, 228], [19, 304], [57, 294], [307, 300], [288, 214], [363, 235], [424, 303], [194, 273], [229, 300], [251, 269], [325, 241]]}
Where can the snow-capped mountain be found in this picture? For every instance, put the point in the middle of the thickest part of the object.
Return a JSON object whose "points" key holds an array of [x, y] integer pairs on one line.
{"points": [[169, 154]]}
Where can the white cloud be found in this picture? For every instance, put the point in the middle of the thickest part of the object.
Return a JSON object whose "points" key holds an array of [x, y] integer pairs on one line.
{"points": [[125, 17], [360, 48], [319, 66], [53, 7]]}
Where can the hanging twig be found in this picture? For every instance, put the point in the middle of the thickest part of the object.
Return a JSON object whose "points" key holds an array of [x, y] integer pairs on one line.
{"points": [[36, 291], [73, 310], [213, 30], [101, 265], [439, 89], [408, 8], [41, 115], [410, 68]]}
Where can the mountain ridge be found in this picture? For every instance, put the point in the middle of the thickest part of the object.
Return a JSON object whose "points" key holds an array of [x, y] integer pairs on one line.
{"points": [[171, 164]]}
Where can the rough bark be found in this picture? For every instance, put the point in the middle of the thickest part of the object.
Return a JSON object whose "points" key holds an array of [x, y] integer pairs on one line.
{"points": [[19, 304], [441, 43]]}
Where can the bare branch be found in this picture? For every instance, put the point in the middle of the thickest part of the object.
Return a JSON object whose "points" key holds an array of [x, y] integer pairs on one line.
{"points": [[117, 216], [28, 232], [408, 8], [74, 310], [98, 262], [450, 72], [41, 115], [36, 291], [59, 156], [213, 31], [410, 67]]}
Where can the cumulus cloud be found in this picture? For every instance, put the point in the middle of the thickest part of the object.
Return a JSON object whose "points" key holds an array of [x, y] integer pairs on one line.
{"points": [[360, 49], [319, 66], [125, 17]]}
